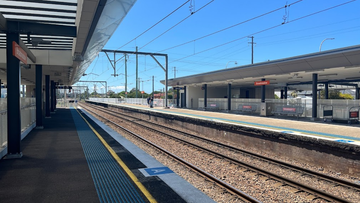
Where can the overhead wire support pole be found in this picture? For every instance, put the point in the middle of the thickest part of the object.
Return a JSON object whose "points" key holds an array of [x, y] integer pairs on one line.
{"points": [[252, 49], [96, 82], [112, 65], [166, 69], [136, 90], [125, 75]]}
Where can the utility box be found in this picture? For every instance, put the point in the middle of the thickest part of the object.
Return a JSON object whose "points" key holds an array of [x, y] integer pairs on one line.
{"points": [[265, 109]]}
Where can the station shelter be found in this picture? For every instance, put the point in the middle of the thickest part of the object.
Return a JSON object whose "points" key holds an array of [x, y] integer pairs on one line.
{"points": [[252, 88], [47, 45]]}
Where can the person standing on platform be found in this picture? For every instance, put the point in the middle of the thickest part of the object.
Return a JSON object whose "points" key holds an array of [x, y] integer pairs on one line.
{"points": [[148, 101], [151, 102]]}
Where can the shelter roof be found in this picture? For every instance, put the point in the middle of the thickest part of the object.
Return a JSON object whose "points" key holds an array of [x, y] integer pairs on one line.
{"points": [[339, 66], [64, 35]]}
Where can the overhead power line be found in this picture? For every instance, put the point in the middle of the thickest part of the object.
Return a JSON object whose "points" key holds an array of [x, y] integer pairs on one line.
{"points": [[154, 24], [270, 28], [169, 28], [177, 23], [232, 26]]}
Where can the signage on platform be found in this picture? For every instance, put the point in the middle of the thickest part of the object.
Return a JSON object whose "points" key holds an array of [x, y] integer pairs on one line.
{"points": [[265, 82], [289, 109], [19, 53], [158, 171]]}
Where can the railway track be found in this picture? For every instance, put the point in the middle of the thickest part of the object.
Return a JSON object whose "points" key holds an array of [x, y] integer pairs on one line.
{"points": [[312, 193], [242, 195]]}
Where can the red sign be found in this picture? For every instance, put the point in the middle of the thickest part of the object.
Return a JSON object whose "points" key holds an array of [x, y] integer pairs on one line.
{"points": [[354, 114], [125, 92], [289, 109], [142, 92], [19, 53], [265, 82], [246, 107]]}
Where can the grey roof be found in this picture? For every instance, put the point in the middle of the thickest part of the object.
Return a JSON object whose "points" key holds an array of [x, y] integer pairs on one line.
{"points": [[332, 65]]}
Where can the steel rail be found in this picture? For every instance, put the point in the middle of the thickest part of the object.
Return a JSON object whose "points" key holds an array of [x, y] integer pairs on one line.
{"points": [[325, 177], [294, 184], [203, 173]]}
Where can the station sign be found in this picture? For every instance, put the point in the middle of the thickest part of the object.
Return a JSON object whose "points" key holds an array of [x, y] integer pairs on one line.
{"points": [[265, 82], [19, 53]]}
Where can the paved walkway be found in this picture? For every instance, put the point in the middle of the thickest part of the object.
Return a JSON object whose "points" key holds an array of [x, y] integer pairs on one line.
{"points": [[341, 132]]}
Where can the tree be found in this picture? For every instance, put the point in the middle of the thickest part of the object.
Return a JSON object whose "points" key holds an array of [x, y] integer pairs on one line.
{"points": [[335, 94], [294, 94], [276, 97]]}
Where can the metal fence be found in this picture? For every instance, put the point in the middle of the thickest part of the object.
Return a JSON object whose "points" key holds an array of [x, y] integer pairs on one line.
{"points": [[137, 101], [340, 107]]}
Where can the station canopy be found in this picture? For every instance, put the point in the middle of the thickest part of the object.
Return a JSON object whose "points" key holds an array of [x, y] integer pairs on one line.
{"points": [[64, 36], [339, 67]]}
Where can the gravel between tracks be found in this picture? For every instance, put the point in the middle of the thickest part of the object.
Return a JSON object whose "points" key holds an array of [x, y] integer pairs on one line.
{"points": [[253, 185]]}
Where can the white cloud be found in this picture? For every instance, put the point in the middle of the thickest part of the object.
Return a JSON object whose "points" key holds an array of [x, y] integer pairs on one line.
{"points": [[116, 88]]}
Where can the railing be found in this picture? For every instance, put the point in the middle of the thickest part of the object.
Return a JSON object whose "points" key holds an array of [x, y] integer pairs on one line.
{"points": [[138, 101], [28, 117], [341, 107]]}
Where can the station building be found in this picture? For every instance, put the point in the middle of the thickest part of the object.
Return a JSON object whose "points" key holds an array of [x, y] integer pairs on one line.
{"points": [[234, 88]]}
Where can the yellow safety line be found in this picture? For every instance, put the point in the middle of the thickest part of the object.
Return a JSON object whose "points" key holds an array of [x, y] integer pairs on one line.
{"points": [[122, 164]]}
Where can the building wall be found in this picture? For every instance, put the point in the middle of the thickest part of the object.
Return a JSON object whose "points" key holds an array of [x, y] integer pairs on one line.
{"points": [[251, 92], [216, 92], [193, 95], [269, 92]]}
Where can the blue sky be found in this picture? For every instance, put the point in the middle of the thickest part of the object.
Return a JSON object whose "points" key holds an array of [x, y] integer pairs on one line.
{"points": [[284, 32]]}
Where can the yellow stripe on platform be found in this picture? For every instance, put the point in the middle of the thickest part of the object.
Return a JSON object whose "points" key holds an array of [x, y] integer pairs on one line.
{"points": [[121, 163]]}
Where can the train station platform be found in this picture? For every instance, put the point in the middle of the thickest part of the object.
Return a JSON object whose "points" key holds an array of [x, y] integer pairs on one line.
{"points": [[335, 131], [76, 158]]}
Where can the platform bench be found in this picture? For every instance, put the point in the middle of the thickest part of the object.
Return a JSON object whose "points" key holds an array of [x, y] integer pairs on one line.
{"points": [[247, 108], [288, 110]]}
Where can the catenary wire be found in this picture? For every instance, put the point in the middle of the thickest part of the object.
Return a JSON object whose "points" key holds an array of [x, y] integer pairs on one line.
{"points": [[270, 28], [232, 26], [154, 24], [177, 24]]}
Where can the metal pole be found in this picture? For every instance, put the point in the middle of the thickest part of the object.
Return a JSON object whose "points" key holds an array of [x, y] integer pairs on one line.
{"points": [[23, 91], [52, 87], [263, 91], [47, 96], [166, 80], [205, 95], [314, 96], [153, 86], [13, 98], [125, 75], [324, 41], [252, 49], [136, 89], [229, 96], [184, 96], [326, 90]]}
